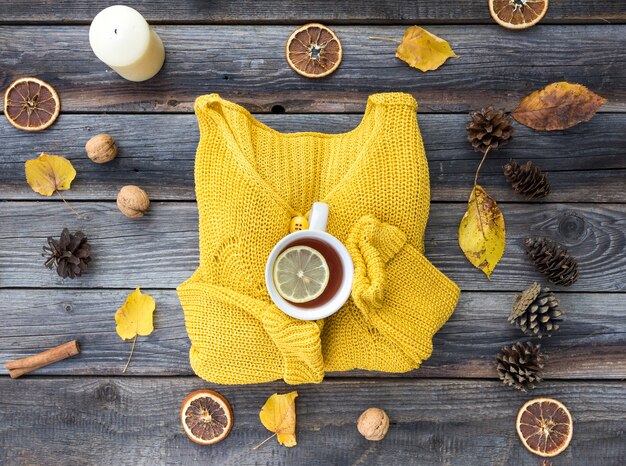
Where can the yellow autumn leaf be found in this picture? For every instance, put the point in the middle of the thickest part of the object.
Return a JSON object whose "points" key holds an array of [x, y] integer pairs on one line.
{"points": [[482, 235], [135, 318], [49, 173], [423, 50], [279, 416]]}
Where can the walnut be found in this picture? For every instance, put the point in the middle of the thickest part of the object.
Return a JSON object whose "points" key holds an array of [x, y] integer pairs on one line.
{"points": [[373, 424], [133, 201], [101, 148]]}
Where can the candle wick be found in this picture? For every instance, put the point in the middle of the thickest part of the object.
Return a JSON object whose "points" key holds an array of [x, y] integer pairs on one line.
{"points": [[115, 31]]}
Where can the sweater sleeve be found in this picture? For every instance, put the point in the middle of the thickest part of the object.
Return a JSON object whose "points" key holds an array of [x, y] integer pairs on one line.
{"points": [[399, 301]]}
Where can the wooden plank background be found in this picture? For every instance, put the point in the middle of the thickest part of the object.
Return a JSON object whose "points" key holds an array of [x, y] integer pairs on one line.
{"points": [[247, 64], [120, 421], [585, 163], [161, 248], [293, 12], [464, 348], [451, 411]]}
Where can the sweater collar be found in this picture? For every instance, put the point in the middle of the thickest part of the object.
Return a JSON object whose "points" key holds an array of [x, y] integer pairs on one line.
{"points": [[215, 104]]}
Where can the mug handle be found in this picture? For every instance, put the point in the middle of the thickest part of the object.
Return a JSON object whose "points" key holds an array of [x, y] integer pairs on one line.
{"points": [[318, 219]]}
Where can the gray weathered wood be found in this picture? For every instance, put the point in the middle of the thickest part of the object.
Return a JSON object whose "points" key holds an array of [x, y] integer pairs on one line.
{"points": [[61, 421], [585, 163], [247, 64], [160, 250], [442, 413], [591, 343], [281, 11]]}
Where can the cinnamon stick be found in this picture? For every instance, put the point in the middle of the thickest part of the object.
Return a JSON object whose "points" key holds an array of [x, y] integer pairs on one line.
{"points": [[23, 366]]}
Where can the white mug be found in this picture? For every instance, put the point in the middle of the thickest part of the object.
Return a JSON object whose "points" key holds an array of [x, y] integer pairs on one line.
{"points": [[317, 230]]}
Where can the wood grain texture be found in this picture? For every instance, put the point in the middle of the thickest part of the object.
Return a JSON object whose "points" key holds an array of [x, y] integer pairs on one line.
{"points": [[590, 344], [291, 11], [451, 411], [61, 421], [160, 250], [585, 163], [247, 64]]}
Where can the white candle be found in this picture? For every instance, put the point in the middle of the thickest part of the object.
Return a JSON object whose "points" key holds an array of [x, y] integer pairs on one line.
{"points": [[121, 38]]}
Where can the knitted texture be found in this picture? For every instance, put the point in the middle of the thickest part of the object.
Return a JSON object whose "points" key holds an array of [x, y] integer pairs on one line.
{"points": [[250, 182]]}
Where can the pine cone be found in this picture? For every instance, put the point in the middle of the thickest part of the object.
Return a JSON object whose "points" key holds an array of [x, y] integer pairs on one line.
{"points": [[69, 254], [519, 366], [489, 128], [551, 259], [536, 311], [528, 180]]}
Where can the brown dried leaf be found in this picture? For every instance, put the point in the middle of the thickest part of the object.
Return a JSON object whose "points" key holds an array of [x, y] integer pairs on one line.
{"points": [[558, 106]]}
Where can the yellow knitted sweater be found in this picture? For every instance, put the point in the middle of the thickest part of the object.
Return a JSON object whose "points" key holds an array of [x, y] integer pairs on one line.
{"points": [[250, 182]]}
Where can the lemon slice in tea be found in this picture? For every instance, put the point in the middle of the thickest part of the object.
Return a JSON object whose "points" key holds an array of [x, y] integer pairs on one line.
{"points": [[300, 274]]}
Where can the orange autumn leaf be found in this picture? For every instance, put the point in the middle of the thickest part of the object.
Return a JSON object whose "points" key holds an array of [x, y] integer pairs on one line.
{"points": [[558, 106], [48, 174], [423, 50], [279, 416]]}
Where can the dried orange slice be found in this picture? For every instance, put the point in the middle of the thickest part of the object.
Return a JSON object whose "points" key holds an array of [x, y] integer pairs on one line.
{"points": [[313, 50], [518, 14], [31, 104], [206, 417], [545, 426]]}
